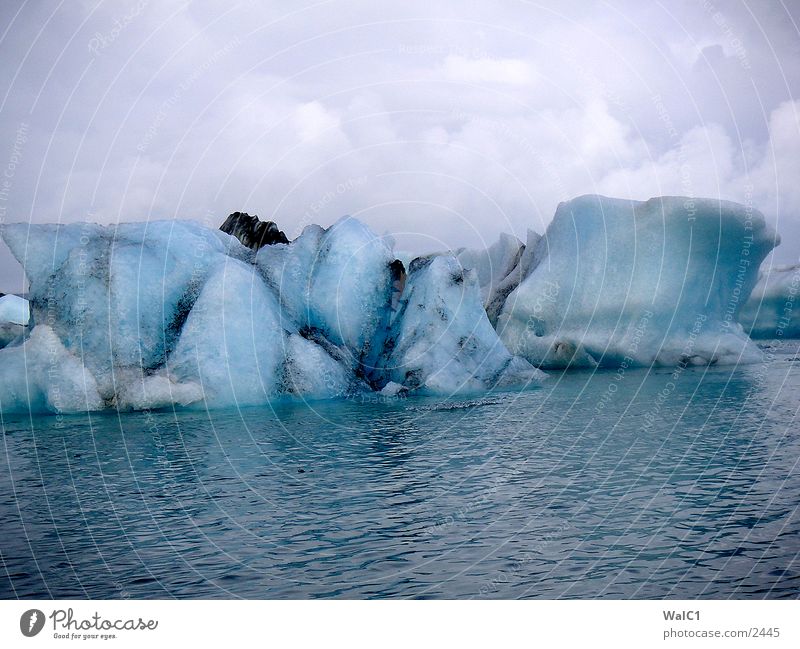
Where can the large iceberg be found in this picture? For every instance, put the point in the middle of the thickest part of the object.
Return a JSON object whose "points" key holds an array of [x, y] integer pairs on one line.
{"points": [[638, 283], [170, 313], [773, 310]]}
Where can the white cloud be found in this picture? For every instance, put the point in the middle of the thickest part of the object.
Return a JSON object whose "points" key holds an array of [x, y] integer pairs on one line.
{"points": [[313, 120], [509, 71], [707, 161]]}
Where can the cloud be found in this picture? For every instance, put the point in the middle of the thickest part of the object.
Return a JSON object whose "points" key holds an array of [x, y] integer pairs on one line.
{"points": [[442, 123], [510, 71], [312, 120], [707, 161]]}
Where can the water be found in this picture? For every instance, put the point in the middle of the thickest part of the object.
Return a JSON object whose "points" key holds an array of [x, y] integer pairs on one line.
{"points": [[592, 486]]}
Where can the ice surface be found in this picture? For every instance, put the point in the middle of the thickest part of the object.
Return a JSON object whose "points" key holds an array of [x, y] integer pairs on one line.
{"points": [[773, 310], [232, 343], [10, 332], [441, 340], [500, 268], [115, 295], [255, 354], [630, 282], [525, 263], [311, 373], [137, 391], [337, 282], [392, 389], [41, 376]]}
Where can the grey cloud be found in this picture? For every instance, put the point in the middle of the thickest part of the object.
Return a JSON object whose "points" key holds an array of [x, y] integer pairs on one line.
{"points": [[439, 122]]}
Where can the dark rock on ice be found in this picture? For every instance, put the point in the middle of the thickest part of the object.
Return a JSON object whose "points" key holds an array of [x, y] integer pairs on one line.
{"points": [[253, 232]]}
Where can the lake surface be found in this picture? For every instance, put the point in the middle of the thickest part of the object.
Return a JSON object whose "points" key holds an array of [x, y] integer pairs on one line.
{"points": [[644, 483]]}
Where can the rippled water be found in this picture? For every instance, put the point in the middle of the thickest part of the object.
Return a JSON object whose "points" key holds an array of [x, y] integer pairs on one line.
{"points": [[607, 484]]}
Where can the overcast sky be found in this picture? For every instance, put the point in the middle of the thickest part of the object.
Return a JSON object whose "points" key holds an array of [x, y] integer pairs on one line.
{"points": [[441, 122]]}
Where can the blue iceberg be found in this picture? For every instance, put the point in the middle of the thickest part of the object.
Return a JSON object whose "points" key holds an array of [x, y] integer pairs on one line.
{"points": [[620, 282], [773, 309], [171, 313]]}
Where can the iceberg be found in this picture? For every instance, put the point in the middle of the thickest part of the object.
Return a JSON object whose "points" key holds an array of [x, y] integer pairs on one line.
{"points": [[174, 314], [620, 282], [525, 262], [773, 310], [499, 268], [169, 313], [493, 264], [14, 317], [14, 309]]}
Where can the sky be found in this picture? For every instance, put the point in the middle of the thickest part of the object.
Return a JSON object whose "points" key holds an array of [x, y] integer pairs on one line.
{"points": [[440, 123]]}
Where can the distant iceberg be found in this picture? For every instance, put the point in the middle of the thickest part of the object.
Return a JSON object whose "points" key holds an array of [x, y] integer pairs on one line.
{"points": [[14, 317], [619, 282], [14, 309], [773, 310]]}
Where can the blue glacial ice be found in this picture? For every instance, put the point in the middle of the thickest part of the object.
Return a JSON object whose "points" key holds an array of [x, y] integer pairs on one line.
{"points": [[170, 313], [492, 264], [441, 340], [43, 376], [116, 296], [638, 283], [253, 357], [335, 285], [243, 363], [499, 268]]}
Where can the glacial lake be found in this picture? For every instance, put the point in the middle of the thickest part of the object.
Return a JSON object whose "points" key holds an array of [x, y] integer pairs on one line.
{"points": [[607, 484]]}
